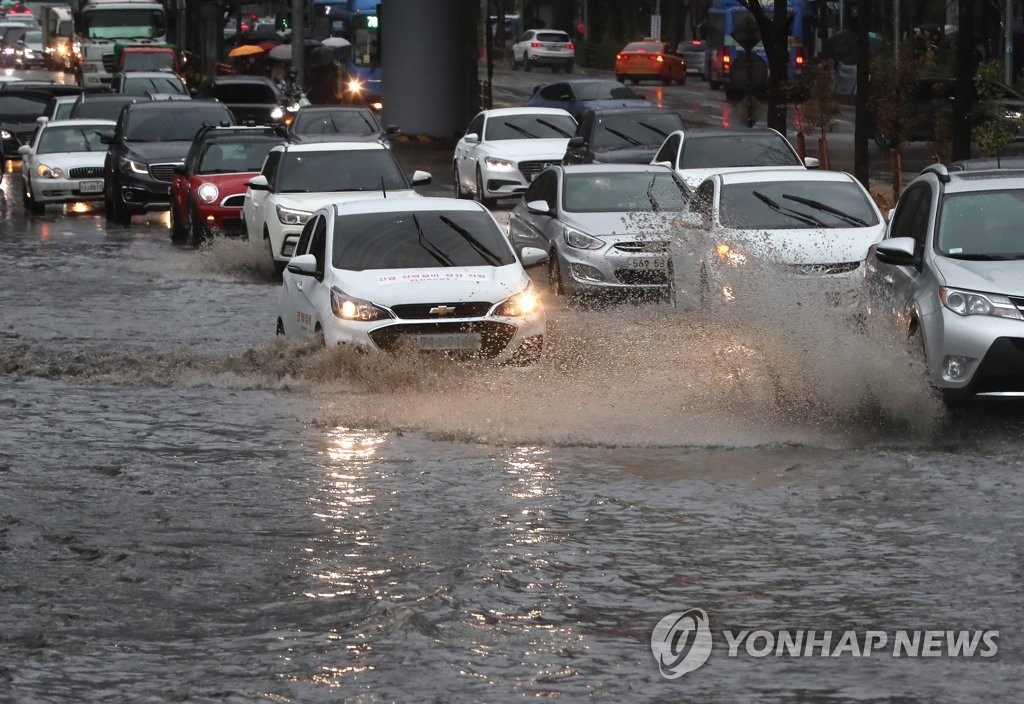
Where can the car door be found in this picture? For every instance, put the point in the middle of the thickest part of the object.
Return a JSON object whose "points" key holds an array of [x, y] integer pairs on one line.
{"points": [[525, 228], [256, 202], [467, 154], [292, 307]]}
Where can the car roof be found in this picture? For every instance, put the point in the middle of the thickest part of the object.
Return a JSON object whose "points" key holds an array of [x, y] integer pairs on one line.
{"points": [[81, 122], [177, 105], [732, 134], [761, 174], [107, 97], [615, 168], [401, 205], [240, 78], [330, 146], [504, 112], [992, 179], [149, 74], [632, 110]]}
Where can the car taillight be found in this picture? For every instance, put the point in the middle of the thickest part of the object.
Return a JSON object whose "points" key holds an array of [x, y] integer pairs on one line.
{"points": [[536, 45], [799, 57], [726, 60], [619, 57], [570, 45], [659, 59]]}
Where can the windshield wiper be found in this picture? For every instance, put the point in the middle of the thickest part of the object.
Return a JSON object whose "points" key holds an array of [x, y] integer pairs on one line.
{"points": [[623, 136], [650, 195], [520, 130], [985, 257], [429, 247], [473, 242], [654, 129], [825, 208], [806, 219], [555, 127]]}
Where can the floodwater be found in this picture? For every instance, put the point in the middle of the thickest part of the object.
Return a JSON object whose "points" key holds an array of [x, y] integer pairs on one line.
{"points": [[193, 510]]}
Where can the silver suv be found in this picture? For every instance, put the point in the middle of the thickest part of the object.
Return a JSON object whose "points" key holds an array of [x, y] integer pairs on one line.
{"points": [[543, 47], [952, 266]]}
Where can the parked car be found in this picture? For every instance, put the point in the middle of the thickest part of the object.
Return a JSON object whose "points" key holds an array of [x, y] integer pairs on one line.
{"points": [[29, 52], [766, 226], [578, 95], [650, 60], [951, 271], [296, 179], [621, 135], [209, 188], [343, 123], [63, 163], [19, 111], [101, 106], [423, 274], [151, 138], [697, 154], [254, 100], [605, 228], [505, 148], [543, 47], [149, 84]]}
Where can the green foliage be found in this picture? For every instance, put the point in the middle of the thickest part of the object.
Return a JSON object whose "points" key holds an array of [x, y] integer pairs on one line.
{"points": [[994, 127]]}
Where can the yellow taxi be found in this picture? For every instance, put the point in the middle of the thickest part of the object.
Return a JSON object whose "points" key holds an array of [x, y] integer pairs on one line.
{"points": [[649, 59]]}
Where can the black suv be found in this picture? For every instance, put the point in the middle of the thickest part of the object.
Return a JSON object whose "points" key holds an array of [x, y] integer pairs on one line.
{"points": [[621, 135], [150, 139], [254, 100]]}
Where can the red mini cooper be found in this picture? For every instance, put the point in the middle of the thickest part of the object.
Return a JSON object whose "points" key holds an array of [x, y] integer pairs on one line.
{"points": [[209, 188]]}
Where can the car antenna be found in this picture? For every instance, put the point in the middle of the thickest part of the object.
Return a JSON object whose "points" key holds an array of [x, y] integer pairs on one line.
{"points": [[383, 189]]}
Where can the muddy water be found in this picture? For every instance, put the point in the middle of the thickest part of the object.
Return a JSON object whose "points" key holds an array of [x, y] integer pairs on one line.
{"points": [[191, 510]]}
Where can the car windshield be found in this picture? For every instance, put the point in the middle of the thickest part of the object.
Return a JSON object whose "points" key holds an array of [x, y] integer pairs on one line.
{"points": [[177, 125], [727, 151], [529, 127], [789, 205], [340, 170], [603, 192], [239, 157], [605, 90], [423, 240], [33, 38], [241, 93], [982, 225], [147, 60], [136, 85], [99, 109], [104, 23], [643, 46], [86, 138], [634, 130], [353, 122]]}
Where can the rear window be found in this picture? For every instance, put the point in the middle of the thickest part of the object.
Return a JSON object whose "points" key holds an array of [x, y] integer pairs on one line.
{"points": [[727, 151], [354, 122], [240, 157], [552, 37], [625, 131], [240, 93], [21, 109], [178, 125], [644, 46], [100, 109], [154, 84]]}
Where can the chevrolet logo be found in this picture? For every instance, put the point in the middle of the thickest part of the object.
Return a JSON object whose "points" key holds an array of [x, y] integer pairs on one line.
{"points": [[442, 310]]}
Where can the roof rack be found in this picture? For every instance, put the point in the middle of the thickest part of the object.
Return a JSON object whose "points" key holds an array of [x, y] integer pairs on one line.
{"points": [[939, 170]]}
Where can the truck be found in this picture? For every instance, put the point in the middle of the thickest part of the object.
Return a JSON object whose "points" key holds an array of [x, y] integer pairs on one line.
{"points": [[58, 27], [100, 24]]}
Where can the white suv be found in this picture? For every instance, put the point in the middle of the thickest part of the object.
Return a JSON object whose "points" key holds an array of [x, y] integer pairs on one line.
{"points": [[543, 47], [297, 179]]}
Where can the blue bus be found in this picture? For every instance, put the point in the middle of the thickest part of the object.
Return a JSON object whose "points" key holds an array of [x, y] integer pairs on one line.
{"points": [[358, 22], [721, 50]]}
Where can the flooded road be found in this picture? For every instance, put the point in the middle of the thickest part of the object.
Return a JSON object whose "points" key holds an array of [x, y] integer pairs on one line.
{"points": [[193, 510]]}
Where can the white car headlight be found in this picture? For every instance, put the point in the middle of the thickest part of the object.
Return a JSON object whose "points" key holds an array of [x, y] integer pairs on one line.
{"points": [[497, 164], [729, 254], [291, 216], [277, 113], [973, 303], [136, 167], [207, 192], [580, 240], [47, 172], [348, 308], [523, 303], [4, 134]]}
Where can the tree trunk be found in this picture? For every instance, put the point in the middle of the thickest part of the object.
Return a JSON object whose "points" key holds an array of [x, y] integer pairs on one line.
{"points": [[778, 65], [896, 164], [862, 129], [964, 92], [825, 162]]}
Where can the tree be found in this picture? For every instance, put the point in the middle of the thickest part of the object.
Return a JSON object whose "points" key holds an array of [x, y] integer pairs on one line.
{"points": [[862, 127], [965, 67], [775, 39]]}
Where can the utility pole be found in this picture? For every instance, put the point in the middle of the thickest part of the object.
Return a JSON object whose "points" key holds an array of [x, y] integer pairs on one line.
{"points": [[896, 30], [1008, 42], [298, 43]]}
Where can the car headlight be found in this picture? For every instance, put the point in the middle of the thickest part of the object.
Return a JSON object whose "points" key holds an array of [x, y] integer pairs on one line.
{"points": [[579, 240], [4, 134], [291, 216], [8, 51], [348, 308], [277, 113], [499, 164], [355, 86], [208, 192], [728, 254], [136, 167], [294, 107], [1014, 114], [973, 303], [47, 172], [523, 303]]}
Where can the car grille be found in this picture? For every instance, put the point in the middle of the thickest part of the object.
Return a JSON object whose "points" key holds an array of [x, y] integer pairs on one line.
{"points": [[823, 269], [456, 310], [108, 63], [642, 246], [162, 172], [530, 169], [235, 201], [86, 172], [494, 336], [642, 277]]}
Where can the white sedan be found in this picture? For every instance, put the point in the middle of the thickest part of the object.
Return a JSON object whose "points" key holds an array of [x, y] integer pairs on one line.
{"points": [[64, 163], [424, 274], [504, 149], [766, 228], [296, 179]]}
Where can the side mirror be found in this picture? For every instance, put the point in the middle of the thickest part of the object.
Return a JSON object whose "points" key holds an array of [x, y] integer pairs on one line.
{"points": [[392, 130], [471, 138], [106, 139], [898, 251], [811, 163], [42, 120], [532, 256], [578, 142], [662, 163], [539, 207], [25, 150], [180, 170], [421, 178], [259, 183], [303, 265]]}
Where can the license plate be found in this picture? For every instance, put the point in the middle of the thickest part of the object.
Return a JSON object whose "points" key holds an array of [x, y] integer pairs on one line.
{"points": [[90, 187], [648, 264], [449, 341]]}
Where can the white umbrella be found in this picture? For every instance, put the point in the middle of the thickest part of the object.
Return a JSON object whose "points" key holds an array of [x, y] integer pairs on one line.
{"points": [[336, 42], [281, 52]]}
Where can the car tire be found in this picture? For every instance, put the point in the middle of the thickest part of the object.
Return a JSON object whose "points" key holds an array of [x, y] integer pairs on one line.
{"points": [[480, 191], [666, 80], [714, 85], [526, 63], [704, 290], [196, 230], [555, 284], [515, 64], [620, 78], [569, 67], [280, 328], [635, 81], [457, 183], [179, 235]]}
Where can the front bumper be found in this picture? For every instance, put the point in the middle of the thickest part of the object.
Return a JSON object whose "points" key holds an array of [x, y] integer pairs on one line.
{"points": [[64, 190], [283, 238], [547, 58], [217, 218], [990, 352], [142, 192], [839, 289], [613, 270]]}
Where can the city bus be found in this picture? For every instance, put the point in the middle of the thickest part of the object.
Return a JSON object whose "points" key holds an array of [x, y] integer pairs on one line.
{"points": [[721, 50], [358, 22]]}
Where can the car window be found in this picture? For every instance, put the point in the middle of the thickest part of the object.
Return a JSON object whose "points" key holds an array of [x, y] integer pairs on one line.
{"points": [[307, 233], [544, 187], [156, 84], [794, 205], [354, 122], [552, 37], [318, 244], [911, 216], [648, 47], [102, 109], [372, 170], [417, 240], [556, 91], [624, 131], [238, 93], [63, 110], [736, 150], [17, 108], [57, 140], [605, 90], [530, 127], [238, 157], [668, 150], [476, 126], [270, 166], [178, 125], [604, 192]]}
